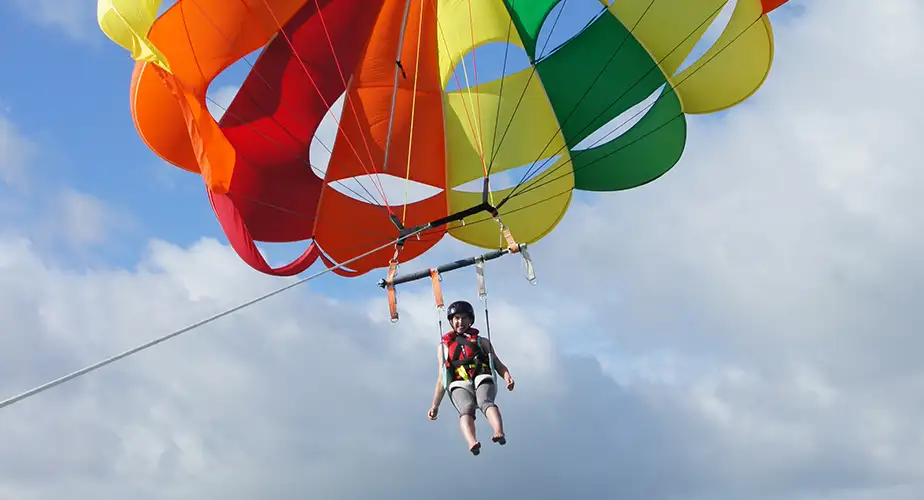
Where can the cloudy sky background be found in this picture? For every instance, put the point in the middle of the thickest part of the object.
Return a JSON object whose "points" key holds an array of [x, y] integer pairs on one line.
{"points": [[749, 329]]}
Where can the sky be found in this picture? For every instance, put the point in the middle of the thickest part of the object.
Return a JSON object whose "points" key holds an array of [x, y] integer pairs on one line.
{"points": [[745, 328]]}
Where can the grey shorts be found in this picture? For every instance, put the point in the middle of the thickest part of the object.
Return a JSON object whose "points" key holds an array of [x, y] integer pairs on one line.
{"points": [[467, 402]]}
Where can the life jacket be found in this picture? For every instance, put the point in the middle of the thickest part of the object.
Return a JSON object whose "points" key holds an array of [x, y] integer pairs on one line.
{"points": [[465, 358]]}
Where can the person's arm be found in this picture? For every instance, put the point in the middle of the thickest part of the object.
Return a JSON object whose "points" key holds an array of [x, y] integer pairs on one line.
{"points": [[439, 390], [499, 365]]}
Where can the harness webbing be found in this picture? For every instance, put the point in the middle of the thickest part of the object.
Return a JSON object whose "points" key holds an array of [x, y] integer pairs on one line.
{"points": [[483, 296]]}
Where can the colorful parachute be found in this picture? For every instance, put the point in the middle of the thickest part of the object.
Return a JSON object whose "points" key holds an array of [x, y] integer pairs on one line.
{"points": [[255, 161]]}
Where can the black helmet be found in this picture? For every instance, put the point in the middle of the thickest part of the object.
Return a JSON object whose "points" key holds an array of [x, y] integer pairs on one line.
{"points": [[460, 307]]}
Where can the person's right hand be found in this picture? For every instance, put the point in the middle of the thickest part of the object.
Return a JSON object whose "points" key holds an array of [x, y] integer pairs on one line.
{"points": [[432, 413]]}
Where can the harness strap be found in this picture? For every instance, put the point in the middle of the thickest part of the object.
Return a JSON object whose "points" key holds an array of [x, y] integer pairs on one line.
{"points": [[390, 282], [511, 243], [514, 247], [528, 266], [472, 363], [479, 272], [483, 295], [437, 289]]}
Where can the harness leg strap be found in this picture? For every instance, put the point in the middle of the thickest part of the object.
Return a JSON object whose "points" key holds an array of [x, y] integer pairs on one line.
{"points": [[392, 295]]}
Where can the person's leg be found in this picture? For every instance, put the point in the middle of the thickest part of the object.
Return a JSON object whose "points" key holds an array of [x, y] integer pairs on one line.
{"points": [[465, 402], [485, 394]]}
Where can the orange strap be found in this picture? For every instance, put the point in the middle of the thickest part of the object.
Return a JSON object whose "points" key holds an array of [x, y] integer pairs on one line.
{"points": [[511, 243], [392, 296], [437, 289]]}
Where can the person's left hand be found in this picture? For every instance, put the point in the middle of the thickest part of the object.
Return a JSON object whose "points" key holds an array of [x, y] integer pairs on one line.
{"points": [[510, 381]]}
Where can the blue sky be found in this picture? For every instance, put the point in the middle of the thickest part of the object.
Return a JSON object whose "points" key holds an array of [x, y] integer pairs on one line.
{"points": [[86, 133], [741, 329], [88, 140]]}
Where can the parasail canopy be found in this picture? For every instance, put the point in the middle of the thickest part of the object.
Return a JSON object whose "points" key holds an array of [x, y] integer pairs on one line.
{"points": [[409, 115]]}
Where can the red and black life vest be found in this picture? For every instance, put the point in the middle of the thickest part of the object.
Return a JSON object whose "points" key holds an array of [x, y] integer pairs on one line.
{"points": [[464, 351]]}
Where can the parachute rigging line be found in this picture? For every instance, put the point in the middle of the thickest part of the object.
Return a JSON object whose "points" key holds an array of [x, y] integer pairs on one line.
{"points": [[567, 191], [327, 88], [500, 95], [394, 92], [435, 278], [657, 65], [483, 295], [379, 186], [471, 90], [177, 333], [476, 136], [316, 170], [314, 84], [410, 140], [532, 72], [579, 153], [578, 168], [333, 52], [561, 124], [479, 143], [284, 104], [537, 184]]}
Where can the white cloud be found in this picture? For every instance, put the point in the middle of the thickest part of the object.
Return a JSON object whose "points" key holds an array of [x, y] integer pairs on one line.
{"points": [[85, 219], [41, 208], [757, 305], [74, 17], [220, 98], [16, 151]]}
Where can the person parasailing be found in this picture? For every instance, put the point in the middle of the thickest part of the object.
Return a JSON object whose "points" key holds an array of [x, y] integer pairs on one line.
{"points": [[467, 360]]}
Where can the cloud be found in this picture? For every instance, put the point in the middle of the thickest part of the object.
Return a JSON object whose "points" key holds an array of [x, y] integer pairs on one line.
{"points": [[220, 99], [50, 213], [745, 328], [73, 17], [16, 151], [302, 395], [86, 220], [142, 422]]}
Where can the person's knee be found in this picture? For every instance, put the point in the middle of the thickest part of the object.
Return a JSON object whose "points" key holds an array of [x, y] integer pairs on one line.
{"points": [[467, 408], [465, 403], [485, 395]]}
